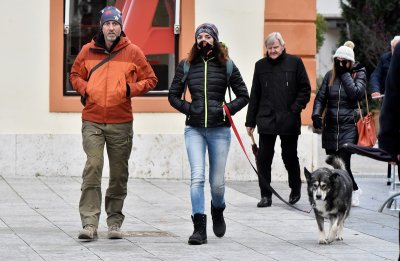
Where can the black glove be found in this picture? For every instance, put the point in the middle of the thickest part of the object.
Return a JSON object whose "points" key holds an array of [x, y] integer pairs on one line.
{"points": [[317, 122], [340, 67]]}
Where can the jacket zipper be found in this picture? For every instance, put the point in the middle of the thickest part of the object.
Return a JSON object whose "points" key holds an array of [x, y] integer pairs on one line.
{"points": [[205, 92], [105, 89], [205, 95], [223, 110], [287, 82], [337, 119]]}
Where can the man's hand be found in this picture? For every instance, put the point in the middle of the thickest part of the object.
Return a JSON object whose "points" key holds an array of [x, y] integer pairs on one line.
{"points": [[376, 95], [250, 131]]}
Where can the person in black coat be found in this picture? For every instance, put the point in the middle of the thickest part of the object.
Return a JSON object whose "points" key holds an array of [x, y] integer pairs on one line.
{"points": [[280, 91], [378, 80], [207, 127], [338, 94], [378, 76], [389, 120]]}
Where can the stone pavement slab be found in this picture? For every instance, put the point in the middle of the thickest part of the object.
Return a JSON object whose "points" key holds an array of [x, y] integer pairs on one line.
{"points": [[39, 220]]}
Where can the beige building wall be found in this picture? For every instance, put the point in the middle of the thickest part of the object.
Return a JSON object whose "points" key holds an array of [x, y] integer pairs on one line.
{"points": [[36, 141]]}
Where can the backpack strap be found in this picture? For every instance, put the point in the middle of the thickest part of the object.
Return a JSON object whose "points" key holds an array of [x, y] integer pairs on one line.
{"points": [[229, 70], [186, 67]]}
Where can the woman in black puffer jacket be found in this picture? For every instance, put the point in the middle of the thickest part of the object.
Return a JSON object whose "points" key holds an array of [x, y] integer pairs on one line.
{"points": [[207, 126], [339, 92]]}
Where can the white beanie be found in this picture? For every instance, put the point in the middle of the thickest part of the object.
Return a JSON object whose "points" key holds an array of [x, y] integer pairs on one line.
{"points": [[344, 52]]}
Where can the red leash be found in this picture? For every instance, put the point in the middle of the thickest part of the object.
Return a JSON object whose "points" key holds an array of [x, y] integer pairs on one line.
{"points": [[228, 113]]}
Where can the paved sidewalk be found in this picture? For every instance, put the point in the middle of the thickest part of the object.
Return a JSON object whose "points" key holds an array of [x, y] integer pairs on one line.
{"points": [[39, 220]]}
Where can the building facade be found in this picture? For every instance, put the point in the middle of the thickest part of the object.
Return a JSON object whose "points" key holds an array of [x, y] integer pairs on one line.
{"points": [[40, 114]]}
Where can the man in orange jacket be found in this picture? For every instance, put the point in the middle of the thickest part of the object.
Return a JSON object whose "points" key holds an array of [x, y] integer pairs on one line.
{"points": [[107, 117]]}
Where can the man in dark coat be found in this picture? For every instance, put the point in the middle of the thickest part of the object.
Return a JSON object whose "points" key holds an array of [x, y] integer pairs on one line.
{"points": [[280, 91], [389, 120], [378, 81], [378, 76]]}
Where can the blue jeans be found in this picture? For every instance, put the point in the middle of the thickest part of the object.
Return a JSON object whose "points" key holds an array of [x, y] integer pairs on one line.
{"points": [[217, 141]]}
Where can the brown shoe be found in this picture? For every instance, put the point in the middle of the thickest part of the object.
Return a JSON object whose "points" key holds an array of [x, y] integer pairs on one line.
{"points": [[114, 232], [88, 232]]}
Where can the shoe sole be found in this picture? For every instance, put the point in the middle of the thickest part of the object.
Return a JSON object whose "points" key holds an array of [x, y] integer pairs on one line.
{"points": [[86, 237], [196, 242], [264, 206]]}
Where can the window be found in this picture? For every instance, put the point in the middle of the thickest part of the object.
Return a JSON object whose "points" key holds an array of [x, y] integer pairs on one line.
{"points": [[147, 23]]}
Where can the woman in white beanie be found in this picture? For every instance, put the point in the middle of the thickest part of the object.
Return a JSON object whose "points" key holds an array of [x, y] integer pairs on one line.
{"points": [[338, 94]]}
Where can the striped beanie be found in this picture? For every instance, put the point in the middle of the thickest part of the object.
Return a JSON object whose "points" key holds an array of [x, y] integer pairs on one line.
{"points": [[209, 28]]}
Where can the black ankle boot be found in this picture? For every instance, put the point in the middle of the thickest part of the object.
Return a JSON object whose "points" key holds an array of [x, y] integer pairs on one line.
{"points": [[200, 230], [219, 226], [265, 202]]}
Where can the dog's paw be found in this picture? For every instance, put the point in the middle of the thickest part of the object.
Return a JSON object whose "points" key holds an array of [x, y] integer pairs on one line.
{"points": [[330, 240], [339, 238], [322, 241]]}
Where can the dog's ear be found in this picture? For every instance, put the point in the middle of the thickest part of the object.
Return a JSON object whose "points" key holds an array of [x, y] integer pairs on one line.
{"points": [[307, 174]]}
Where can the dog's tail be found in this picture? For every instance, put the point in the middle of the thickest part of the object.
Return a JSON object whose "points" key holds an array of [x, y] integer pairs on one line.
{"points": [[335, 162]]}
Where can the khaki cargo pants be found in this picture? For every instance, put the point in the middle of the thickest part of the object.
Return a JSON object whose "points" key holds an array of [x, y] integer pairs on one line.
{"points": [[118, 141]]}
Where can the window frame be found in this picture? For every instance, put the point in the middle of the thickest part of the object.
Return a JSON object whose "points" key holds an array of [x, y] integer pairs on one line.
{"points": [[58, 102]]}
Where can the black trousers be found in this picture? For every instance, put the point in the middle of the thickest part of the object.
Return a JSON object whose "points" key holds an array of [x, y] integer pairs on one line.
{"points": [[346, 157], [289, 156]]}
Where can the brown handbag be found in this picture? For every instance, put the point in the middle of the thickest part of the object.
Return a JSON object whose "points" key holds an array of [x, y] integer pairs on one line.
{"points": [[366, 127]]}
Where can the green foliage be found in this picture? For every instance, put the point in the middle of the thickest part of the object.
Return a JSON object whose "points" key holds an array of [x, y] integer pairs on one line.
{"points": [[321, 29], [371, 24]]}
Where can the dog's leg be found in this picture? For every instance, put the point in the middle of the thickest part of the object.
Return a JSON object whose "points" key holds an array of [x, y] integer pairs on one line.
{"points": [[339, 236], [333, 229], [320, 222], [341, 226]]}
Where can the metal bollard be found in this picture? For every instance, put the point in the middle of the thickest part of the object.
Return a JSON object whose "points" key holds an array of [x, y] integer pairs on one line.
{"points": [[394, 203]]}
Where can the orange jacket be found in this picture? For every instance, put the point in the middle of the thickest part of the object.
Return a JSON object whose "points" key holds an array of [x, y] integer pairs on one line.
{"points": [[106, 91]]}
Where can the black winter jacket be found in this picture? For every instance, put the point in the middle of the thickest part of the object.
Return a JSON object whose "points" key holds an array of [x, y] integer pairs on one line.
{"points": [[340, 102], [207, 84], [281, 89], [389, 120], [378, 76]]}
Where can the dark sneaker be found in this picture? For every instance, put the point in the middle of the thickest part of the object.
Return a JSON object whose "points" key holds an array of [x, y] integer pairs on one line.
{"points": [[88, 232], [114, 232], [265, 202]]}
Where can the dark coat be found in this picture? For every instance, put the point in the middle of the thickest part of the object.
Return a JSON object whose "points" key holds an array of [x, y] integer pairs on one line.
{"points": [[207, 84], [389, 120], [378, 76], [339, 102], [280, 90]]}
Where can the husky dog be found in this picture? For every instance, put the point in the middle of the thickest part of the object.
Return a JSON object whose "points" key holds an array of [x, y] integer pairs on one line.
{"points": [[329, 192]]}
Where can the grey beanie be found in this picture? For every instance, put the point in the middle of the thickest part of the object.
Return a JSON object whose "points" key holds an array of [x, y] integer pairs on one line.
{"points": [[209, 28]]}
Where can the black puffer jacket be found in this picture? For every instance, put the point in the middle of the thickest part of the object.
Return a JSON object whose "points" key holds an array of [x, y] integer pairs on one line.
{"points": [[340, 102], [281, 89], [207, 84]]}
